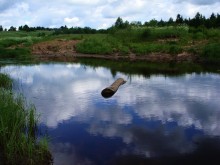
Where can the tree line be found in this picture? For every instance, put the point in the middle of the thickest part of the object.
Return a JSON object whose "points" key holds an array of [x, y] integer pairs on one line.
{"points": [[198, 21]]}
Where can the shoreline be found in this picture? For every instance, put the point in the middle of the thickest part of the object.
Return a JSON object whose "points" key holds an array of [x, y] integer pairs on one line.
{"points": [[64, 50], [153, 57]]}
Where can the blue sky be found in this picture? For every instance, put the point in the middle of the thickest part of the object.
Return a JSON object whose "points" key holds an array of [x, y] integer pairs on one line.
{"points": [[97, 13]]}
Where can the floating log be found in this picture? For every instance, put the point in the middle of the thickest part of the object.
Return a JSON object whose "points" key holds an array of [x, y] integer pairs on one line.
{"points": [[111, 90]]}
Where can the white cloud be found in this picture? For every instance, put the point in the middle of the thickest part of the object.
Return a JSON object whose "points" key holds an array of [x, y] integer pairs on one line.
{"points": [[71, 20], [97, 13], [79, 92], [66, 154], [199, 2]]}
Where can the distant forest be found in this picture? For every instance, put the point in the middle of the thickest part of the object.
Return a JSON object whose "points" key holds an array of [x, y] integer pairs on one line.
{"points": [[199, 21]]}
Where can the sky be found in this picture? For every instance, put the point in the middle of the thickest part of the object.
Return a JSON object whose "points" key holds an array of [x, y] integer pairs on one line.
{"points": [[97, 14]]}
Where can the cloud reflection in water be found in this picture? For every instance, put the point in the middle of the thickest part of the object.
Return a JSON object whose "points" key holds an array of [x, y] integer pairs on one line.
{"points": [[154, 114]]}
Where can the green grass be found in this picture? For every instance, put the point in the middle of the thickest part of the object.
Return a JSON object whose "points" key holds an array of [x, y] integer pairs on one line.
{"points": [[94, 46], [17, 45], [20, 34], [18, 54], [211, 53], [173, 40], [5, 81], [141, 41], [18, 126], [138, 40]]}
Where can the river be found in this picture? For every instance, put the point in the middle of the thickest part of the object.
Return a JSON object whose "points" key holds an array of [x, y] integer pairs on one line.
{"points": [[150, 120]]}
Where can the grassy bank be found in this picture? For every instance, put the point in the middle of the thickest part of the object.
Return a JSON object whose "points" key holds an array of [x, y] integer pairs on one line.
{"points": [[16, 46], [141, 41], [18, 122], [147, 40]]}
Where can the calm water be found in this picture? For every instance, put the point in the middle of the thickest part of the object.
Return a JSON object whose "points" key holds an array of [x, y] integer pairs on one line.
{"points": [[149, 120]]}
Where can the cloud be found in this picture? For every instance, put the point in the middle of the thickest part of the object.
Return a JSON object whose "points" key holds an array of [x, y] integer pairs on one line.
{"points": [[199, 2], [5, 4], [149, 142], [81, 86], [142, 118], [85, 2], [97, 13], [65, 98], [65, 154]]}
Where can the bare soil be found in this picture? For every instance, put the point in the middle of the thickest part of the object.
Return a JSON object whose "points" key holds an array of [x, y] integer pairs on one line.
{"points": [[64, 50]]}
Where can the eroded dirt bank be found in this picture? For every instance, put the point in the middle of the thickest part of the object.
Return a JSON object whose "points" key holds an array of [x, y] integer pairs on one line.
{"points": [[64, 50]]}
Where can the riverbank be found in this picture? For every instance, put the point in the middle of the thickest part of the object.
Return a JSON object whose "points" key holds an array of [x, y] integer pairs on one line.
{"points": [[18, 130], [153, 44], [65, 50]]}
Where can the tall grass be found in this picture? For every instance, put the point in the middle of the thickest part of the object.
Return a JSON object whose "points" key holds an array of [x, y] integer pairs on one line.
{"points": [[137, 40], [5, 81], [94, 46], [140, 41], [19, 54], [17, 45], [173, 40], [18, 123], [211, 53]]}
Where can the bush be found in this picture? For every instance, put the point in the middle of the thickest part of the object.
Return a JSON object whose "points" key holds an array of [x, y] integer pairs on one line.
{"points": [[94, 46], [16, 54], [5, 81], [123, 49], [174, 49], [193, 51], [146, 34], [164, 33], [147, 48], [140, 49], [211, 51]]}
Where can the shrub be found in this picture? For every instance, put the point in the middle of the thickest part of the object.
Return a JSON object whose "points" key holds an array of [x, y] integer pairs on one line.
{"points": [[174, 49], [5, 81], [211, 51], [146, 34], [94, 46], [16, 54], [140, 49], [123, 49], [146, 48], [193, 51]]}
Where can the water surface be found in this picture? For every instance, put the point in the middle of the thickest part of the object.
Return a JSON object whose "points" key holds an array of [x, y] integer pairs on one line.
{"points": [[154, 119]]}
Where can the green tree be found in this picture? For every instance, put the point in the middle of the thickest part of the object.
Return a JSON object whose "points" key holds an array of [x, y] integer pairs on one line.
{"points": [[213, 19], [218, 21], [153, 22], [179, 19], [1, 28], [12, 28], [26, 28], [161, 23], [170, 21], [136, 23], [199, 19], [121, 24]]}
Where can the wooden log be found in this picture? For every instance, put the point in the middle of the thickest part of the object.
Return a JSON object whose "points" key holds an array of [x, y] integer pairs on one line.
{"points": [[112, 89]]}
